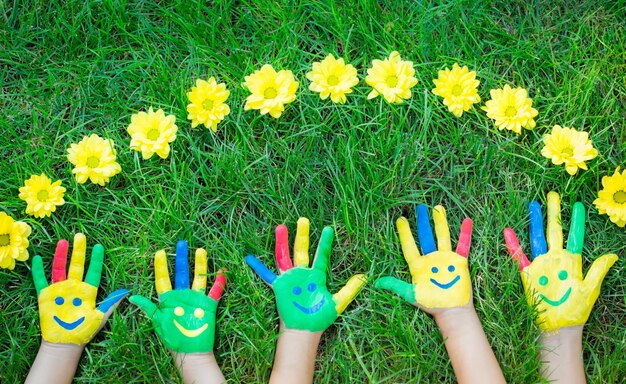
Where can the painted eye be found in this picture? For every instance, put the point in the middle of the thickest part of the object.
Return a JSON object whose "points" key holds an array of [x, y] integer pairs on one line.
{"points": [[543, 280], [296, 290], [179, 311], [59, 301], [199, 313], [434, 269], [451, 268], [563, 275], [77, 302], [312, 287]]}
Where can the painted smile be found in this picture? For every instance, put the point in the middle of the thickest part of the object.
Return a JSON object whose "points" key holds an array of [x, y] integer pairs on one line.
{"points": [[69, 326], [557, 303], [187, 332], [312, 309], [448, 285]]}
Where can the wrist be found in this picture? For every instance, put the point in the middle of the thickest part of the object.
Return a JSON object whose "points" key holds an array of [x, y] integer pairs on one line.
{"points": [[455, 318], [565, 335], [62, 353], [55, 363], [198, 367]]}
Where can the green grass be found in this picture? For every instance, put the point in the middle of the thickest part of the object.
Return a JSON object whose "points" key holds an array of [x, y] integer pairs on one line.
{"points": [[71, 68]]}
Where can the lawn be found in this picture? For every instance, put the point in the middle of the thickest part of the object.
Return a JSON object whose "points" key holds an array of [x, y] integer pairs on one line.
{"points": [[72, 68]]}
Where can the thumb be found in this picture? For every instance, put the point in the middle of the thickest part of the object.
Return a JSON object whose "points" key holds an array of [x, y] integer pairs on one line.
{"points": [[145, 304], [402, 289], [598, 270], [108, 305]]}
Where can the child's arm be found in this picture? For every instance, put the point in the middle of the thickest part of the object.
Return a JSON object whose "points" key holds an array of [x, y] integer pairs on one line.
{"points": [[305, 305], [68, 314], [441, 286], [470, 353], [554, 285], [198, 368], [562, 355]]}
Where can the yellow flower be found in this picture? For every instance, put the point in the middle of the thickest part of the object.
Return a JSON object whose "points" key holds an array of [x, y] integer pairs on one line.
{"points": [[511, 109], [458, 87], [94, 159], [332, 77], [152, 132], [392, 78], [13, 241], [208, 105], [612, 199], [41, 195], [270, 90], [570, 147]]}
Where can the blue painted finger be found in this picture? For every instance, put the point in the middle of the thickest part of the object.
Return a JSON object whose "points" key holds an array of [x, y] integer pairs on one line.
{"points": [[181, 268], [113, 298], [261, 270], [538, 244], [424, 230]]}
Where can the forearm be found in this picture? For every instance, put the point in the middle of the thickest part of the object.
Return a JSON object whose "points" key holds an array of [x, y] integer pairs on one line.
{"points": [[294, 362], [55, 363], [198, 368], [470, 353], [562, 356]]}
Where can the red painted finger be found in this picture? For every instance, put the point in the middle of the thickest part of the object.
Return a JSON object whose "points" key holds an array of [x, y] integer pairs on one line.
{"points": [[282, 249], [512, 245], [465, 238], [217, 289], [59, 262]]}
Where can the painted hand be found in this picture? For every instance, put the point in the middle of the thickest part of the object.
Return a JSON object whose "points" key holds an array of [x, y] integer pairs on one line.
{"points": [[302, 297], [440, 278], [185, 318], [67, 308], [554, 280]]}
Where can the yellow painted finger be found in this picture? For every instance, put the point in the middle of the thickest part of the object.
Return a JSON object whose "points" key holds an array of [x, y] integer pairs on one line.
{"points": [[409, 248], [441, 229], [555, 231], [301, 245], [161, 274], [77, 264], [200, 270], [598, 270], [348, 292]]}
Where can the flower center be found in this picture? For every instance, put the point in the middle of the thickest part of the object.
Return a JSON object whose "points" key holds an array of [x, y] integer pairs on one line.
{"points": [[456, 90], [392, 81], [510, 111], [153, 134], [93, 162], [332, 80], [568, 151], [5, 239], [207, 104], [620, 197], [43, 195], [270, 93]]}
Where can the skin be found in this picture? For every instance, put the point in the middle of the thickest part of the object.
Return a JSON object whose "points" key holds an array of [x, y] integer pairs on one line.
{"points": [[554, 284], [442, 287]]}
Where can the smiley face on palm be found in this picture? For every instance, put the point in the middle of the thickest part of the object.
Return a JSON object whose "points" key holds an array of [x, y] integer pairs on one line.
{"points": [[185, 318], [554, 280], [67, 307], [302, 297], [440, 278]]}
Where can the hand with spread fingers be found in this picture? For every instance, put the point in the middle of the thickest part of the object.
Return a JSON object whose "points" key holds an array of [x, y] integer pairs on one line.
{"points": [[184, 318], [302, 297], [67, 308], [440, 278], [554, 280], [68, 314], [441, 286], [305, 305]]}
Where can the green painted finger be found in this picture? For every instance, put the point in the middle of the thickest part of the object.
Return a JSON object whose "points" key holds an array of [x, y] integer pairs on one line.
{"points": [[95, 266], [322, 255], [598, 270], [402, 289], [39, 276], [576, 236], [145, 304]]}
